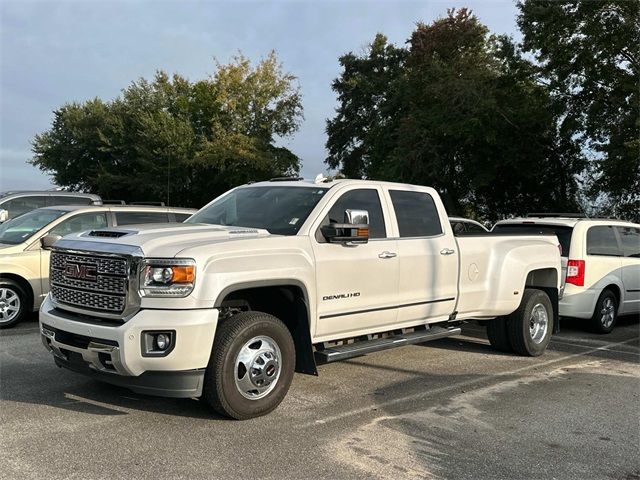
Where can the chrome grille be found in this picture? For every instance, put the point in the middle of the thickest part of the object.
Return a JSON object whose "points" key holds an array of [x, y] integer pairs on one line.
{"points": [[88, 300], [90, 282], [106, 265], [117, 285]]}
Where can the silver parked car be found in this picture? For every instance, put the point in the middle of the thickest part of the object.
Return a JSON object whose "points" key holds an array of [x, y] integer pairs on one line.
{"points": [[14, 204]]}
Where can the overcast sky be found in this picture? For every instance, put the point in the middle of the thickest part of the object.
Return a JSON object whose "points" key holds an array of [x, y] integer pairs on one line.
{"points": [[55, 52]]}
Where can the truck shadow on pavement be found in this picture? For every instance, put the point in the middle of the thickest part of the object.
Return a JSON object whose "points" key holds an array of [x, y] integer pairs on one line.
{"points": [[574, 337], [50, 386]]}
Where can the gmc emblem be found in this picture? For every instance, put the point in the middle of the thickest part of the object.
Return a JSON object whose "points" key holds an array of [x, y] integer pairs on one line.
{"points": [[81, 272]]}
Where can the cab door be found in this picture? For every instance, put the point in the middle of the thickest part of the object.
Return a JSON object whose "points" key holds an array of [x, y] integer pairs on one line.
{"points": [[429, 257], [357, 285]]}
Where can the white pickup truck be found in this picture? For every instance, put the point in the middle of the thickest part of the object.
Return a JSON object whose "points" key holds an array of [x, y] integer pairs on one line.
{"points": [[272, 277]]}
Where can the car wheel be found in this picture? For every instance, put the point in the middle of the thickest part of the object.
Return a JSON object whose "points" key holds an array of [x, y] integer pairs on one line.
{"points": [[498, 334], [531, 325], [251, 366], [606, 313], [14, 303]]}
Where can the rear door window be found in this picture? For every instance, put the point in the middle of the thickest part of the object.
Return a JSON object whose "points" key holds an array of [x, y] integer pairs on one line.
{"points": [[601, 240], [630, 238], [416, 214], [131, 218]]}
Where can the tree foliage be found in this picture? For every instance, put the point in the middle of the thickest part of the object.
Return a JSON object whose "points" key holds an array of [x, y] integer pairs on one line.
{"points": [[589, 54], [170, 138], [457, 109]]}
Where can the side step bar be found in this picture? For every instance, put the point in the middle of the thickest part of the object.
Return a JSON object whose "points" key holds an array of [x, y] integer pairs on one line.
{"points": [[362, 347]]}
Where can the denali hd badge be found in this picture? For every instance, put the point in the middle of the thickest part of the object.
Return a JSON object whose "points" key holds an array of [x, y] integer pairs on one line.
{"points": [[340, 296], [81, 272]]}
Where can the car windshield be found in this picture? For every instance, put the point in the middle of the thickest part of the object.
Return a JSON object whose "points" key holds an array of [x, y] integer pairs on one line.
{"points": [[20, 229], [563, 233], [278, 209]]}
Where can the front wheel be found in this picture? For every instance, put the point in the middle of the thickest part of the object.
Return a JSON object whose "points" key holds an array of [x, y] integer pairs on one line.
{"points": [[530, 326], [606, 313], [13, 303], [251, 366]]}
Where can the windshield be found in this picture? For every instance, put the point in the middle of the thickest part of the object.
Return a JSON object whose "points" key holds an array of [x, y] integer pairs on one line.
{"points": [[563, 233], [280, 210], [20, 229]]}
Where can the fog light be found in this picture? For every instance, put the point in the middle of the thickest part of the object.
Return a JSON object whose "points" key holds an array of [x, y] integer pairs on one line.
{"points": [[162, 341], [158, 343]]}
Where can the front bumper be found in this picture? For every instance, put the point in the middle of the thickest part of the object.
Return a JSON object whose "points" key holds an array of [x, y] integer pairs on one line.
{"points": [[114, 353]]}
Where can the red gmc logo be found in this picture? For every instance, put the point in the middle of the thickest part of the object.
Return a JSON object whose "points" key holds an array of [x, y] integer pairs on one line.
{"points": [[81, 272]]}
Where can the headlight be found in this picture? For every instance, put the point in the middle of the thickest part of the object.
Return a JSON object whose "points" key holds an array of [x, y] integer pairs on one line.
{"points": [[167, 277]]}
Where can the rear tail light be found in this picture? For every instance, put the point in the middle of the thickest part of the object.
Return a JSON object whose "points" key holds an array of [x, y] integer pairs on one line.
{"points": [[575, 272]]}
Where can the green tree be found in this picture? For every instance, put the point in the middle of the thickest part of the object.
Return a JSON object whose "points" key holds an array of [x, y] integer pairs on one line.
{"points": [[176, 140], [589, 55], [459, 109], [360, 136]]}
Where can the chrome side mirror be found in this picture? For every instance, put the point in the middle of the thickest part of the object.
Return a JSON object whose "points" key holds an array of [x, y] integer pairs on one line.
{"points": [[354, 230], [4, 215], [47, 241], [356, 217]]}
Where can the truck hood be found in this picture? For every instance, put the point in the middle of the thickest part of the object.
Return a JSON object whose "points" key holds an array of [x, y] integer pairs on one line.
{"points": [[158, 240]]}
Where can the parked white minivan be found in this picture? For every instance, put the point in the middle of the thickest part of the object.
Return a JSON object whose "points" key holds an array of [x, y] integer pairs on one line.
{"points": [[601, 265]]}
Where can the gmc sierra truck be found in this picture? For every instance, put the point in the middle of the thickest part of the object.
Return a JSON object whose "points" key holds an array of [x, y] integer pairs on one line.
{"points": [[275, 277]]}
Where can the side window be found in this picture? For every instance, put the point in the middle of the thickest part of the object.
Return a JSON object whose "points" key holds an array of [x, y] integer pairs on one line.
{"points": [[20, 205], [131, 218], [181, 217], [416, 213], [69, 200], [362, 199], [630, 238], [602, 241], [80, 223]]}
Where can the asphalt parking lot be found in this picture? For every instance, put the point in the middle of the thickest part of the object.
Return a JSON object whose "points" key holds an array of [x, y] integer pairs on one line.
{"points": [[452, 408]]}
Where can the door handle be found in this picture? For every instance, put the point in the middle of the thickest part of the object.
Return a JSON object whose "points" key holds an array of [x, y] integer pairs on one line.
{"points": [[447, 251], [386, 254]]}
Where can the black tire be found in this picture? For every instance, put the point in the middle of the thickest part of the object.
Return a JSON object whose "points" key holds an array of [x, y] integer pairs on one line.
{"points": [[233, 334], [498, 334], [605, 315], [12, 290], [519, 323]]}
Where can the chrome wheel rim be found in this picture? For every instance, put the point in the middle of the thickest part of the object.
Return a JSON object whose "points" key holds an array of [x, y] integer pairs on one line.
{"points": [[257, 367], [608, 312], [9, 305], [538, 323]]}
